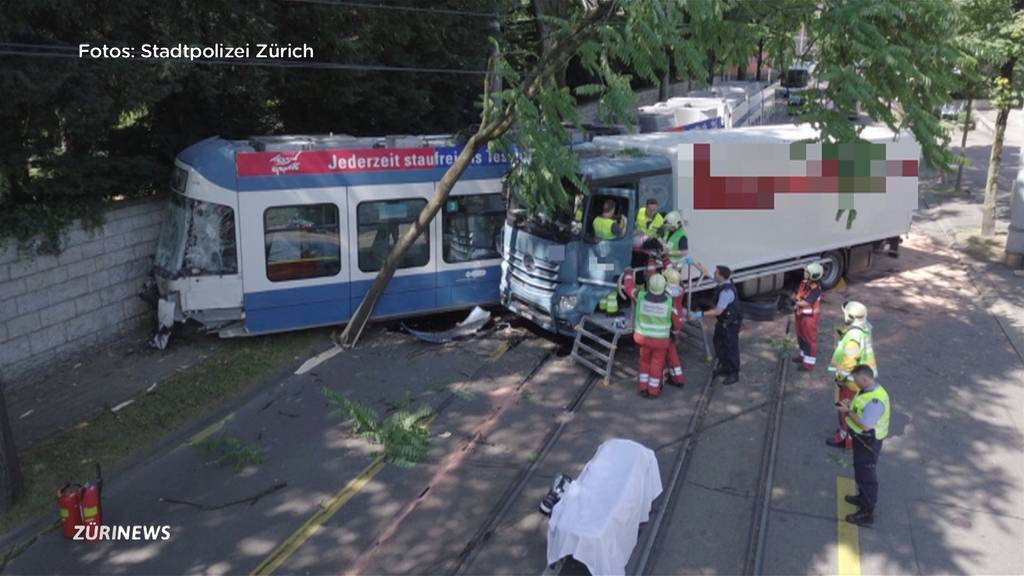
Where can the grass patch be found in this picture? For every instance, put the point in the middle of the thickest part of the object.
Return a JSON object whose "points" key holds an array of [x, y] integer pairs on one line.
{"points": [[229, 449], [108, 437], [988, 249]]}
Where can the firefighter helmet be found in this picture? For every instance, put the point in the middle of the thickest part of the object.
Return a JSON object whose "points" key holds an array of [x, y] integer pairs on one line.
{"points": [[814, 271], [656, 284], [854, 312], [674, 220]]}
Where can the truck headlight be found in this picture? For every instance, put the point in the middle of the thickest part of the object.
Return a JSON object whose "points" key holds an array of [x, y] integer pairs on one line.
{"points": [[566, 303]]}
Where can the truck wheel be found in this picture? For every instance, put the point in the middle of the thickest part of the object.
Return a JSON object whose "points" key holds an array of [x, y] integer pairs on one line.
{"points": [[761, 308], [834, 269]]}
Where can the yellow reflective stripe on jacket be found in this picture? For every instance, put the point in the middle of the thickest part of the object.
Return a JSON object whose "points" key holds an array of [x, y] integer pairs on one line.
{"points": [[90, 511]]}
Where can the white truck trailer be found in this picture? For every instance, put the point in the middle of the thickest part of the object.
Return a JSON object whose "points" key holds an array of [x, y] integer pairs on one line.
{"points": [[762, 200]]}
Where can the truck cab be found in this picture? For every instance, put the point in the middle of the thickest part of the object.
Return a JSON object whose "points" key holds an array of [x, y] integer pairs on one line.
{"points": [[555, 269]]}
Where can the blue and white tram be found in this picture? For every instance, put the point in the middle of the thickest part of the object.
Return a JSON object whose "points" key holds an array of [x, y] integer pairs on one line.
{"points": [[286, 232]]}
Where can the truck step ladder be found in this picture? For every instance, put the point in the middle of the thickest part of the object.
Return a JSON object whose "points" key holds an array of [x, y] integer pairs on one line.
{"points": [[597, 341]]}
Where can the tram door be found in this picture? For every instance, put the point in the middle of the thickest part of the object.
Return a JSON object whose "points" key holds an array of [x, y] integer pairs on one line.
{"points": [[378, 216], [468, 255], [296, 264]]}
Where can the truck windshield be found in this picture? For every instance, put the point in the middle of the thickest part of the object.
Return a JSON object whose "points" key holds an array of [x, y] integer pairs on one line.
{"points": [[561, 226], [196, 239], [795, 79]]}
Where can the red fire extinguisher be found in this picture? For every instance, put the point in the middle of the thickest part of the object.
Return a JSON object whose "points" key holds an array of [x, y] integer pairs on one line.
{"points": [[69, 498], [92, 513]]}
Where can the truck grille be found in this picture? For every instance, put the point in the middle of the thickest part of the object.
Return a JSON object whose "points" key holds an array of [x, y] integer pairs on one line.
{"points": [[535, 274]]}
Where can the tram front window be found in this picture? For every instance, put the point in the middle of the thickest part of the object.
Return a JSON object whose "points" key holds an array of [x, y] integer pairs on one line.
{"points": [[197, 239]]}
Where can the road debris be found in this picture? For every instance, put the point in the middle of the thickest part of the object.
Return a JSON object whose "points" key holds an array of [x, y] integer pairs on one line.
{"points": [[476, 320], [209, 507]]}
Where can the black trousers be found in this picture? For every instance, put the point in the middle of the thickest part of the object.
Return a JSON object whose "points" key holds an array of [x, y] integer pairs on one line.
{"points": [[865, 461], [727, 346]]}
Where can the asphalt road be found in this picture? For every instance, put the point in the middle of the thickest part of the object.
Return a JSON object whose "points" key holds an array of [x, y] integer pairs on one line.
{"points": [[952, 474]]}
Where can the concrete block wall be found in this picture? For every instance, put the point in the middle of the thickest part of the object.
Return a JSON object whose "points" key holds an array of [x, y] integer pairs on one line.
{"points": [[55, 307]]}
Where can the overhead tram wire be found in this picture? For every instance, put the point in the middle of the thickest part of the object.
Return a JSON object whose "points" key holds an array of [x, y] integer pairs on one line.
{"points": [[396, 8], [63, 51]]}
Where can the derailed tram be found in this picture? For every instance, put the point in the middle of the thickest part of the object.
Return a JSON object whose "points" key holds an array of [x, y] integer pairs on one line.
{"points": [[286, 232]]}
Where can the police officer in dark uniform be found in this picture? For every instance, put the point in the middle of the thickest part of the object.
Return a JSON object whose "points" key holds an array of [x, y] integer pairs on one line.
{"points": [[867, 415], [727, 328]]}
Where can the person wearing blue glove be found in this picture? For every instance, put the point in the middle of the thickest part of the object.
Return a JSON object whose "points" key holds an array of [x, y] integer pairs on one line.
{"points": [[728, 318]]}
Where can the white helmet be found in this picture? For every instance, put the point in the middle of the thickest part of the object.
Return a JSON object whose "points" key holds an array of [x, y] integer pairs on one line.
{"points": [[656, 284], [671, 276], [674, 219], [814, 271], [854, 312]]}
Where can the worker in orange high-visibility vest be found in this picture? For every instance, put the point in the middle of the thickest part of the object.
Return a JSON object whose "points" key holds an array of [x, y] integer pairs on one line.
{"points": [[807, 311], [654, 321], [674, 289]]}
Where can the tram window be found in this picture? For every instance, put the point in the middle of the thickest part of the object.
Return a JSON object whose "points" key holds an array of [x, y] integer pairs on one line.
{"points": [[380, 224], [472, 227], [302, 242]]}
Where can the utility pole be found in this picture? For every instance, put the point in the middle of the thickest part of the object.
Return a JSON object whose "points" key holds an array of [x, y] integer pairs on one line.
{"points": [[1015, 239], [963, 145]]}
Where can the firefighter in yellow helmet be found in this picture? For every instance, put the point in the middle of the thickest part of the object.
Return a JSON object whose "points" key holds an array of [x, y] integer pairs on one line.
{"points": [[854, 348]]}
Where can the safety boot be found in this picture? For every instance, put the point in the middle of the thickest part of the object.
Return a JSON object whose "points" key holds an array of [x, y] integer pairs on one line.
{"points": [[861, 518], [857, 500]]}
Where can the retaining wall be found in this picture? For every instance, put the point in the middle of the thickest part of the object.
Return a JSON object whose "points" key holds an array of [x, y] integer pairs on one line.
{"points": [[54, 307]]}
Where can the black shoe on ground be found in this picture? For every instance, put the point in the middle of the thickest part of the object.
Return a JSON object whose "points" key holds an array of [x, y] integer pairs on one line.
{"points": [[555, 494], [861, 518], [731, 379], [645, 393], [856, 500]]}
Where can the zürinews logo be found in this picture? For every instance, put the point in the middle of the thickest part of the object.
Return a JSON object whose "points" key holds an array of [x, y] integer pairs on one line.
{"points": [[137, 532]]}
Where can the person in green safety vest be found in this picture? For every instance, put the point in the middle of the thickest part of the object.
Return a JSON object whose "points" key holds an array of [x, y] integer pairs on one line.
{"points": [[854, 348], [655, 318], [867, 416], [673, 239], [649, 220], [607, 226]]}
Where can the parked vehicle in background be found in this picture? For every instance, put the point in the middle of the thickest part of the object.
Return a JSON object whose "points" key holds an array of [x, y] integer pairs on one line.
{"points": [[762, 200], [284, 232], [795, 82], [724, 105]]}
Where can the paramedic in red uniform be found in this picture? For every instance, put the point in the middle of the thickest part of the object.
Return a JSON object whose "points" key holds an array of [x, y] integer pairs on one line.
{"points": [[808, 316], [674, 289], [655, 318]]}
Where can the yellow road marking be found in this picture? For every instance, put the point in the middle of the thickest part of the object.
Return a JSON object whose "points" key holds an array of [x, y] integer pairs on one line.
{"points": [[500, 351], [211, 429], [849, 534], [307, 530]]}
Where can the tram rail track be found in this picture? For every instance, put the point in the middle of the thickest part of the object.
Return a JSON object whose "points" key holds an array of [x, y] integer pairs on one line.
{"points": [[653, 533]]}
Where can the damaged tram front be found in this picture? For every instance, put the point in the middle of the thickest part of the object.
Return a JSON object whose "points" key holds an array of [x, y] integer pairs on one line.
{"points": [[286, 232]]}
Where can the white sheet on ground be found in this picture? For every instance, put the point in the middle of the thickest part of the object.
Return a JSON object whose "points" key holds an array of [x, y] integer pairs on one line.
{"points": [[598, 518]]}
